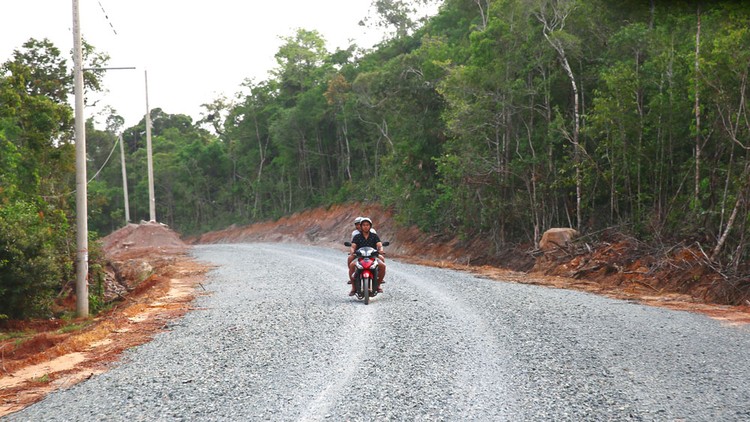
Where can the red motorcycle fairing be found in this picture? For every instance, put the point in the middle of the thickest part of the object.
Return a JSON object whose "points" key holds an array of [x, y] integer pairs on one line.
{"points": [[366, 274]]}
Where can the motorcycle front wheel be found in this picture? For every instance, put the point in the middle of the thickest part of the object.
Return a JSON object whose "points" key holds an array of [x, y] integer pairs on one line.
{"points": [[366, 289]]}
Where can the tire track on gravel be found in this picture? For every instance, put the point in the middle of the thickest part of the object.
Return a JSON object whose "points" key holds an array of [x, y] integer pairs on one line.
{"points": [[355, 339], [482, 362]]}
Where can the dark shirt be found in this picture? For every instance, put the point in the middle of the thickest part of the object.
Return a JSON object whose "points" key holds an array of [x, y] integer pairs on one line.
{"points": [[371, 241]]}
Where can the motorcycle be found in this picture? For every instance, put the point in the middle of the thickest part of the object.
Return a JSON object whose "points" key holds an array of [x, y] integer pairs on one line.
{"points": [[366, 272]]}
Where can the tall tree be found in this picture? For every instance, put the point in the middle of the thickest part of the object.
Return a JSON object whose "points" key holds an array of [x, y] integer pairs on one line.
{"points": [[553, 14]]}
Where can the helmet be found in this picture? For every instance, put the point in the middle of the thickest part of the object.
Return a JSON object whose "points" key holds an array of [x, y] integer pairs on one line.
{"points": [[357, 220], [366, 219]]}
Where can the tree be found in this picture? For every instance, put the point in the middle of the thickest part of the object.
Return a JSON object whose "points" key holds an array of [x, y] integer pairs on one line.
{"points": [[400, 15], [725, 71], [248, 140], [29, 270], [553, 14]]}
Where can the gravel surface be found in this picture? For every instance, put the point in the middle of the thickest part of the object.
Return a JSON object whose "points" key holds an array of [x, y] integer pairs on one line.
{"points": [[279, 339]]}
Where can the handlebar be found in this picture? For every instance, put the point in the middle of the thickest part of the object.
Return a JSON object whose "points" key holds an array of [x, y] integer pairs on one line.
{"points": [[349, 244], [386, 243]]}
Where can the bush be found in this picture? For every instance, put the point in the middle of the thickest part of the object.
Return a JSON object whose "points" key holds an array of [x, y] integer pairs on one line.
{"points": [[29, 270]]}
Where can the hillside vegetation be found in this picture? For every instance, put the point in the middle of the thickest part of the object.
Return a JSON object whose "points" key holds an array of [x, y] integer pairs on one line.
{"points": [[492, 120]]}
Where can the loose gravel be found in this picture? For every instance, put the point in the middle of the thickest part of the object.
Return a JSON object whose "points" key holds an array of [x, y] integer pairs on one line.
{"points": [[278, 339]]}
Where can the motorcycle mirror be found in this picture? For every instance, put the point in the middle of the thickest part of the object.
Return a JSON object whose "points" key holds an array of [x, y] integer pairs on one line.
{"points": [[386, 243], [347, 244]]}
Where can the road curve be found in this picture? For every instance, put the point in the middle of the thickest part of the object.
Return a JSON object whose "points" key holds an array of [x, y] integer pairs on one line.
{"points": [[277, 338]]}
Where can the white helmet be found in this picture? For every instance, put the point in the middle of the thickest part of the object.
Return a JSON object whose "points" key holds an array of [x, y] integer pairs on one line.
{"points": [[366, 219], [358, 220]]}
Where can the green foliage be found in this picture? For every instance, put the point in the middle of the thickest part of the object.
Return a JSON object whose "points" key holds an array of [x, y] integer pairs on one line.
{"points": [[73, 327], [29, 272], [15, 335], [10, 159], [37, 172], [43, 379], [464, 123]]}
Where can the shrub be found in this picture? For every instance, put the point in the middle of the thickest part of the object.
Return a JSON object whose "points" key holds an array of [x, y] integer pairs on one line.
{"points": [[29, 268]]}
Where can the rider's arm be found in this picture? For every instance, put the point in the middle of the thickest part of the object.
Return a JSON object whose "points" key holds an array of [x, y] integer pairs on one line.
{"points": [[379, 245], [352, 249]]}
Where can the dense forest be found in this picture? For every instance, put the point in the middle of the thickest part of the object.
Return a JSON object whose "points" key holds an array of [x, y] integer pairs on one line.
{"points": [[494, 118]]}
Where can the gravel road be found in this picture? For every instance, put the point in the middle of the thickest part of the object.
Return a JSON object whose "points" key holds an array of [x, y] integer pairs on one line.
{"points": [[279, 339]]}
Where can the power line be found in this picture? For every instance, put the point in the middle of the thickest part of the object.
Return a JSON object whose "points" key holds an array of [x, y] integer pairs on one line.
{"points": [[107, 17], [93, 177], [105, 161]]}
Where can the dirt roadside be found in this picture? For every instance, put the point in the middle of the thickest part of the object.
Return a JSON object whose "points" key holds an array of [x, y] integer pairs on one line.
{"points": [[155, 282]]}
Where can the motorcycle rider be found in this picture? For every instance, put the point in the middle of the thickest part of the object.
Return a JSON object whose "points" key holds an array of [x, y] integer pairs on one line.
{"points": [[357, 230], [367, 238]]}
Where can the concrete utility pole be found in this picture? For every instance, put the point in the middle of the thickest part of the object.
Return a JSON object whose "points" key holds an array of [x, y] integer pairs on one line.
{"points": [[124, 181], [82, 230], [151, 199]]}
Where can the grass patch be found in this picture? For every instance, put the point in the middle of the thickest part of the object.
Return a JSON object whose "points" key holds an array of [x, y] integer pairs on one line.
{"points": [[16, 335], [44, 379], [74, 327]]}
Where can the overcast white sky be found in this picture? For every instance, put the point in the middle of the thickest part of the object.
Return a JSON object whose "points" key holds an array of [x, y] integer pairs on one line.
{"points": [[194, 51]]}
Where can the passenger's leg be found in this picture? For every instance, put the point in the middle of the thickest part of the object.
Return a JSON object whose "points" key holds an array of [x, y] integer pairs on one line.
{"points": [[349, 260], [351, 277], [381, 276]]}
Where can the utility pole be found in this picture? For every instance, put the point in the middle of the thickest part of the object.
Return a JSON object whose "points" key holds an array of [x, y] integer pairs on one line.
{"points": [[82, 230], [124, 181], [122, 150], [151, 199]]}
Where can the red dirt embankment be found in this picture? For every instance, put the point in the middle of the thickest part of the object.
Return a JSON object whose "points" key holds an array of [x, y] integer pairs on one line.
{"points": [[151, 281], [614, 265]]}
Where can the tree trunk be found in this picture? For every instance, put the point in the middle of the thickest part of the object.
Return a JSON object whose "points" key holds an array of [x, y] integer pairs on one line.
{"points": [[484, 8], [576, 131], [653, 12], [733, 129], [262, 151], [348, 158], [697, 113], [735, 211], [641, 125]]}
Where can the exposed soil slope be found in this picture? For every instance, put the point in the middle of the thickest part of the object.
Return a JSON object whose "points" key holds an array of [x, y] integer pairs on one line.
{"points": [[151, 280]]}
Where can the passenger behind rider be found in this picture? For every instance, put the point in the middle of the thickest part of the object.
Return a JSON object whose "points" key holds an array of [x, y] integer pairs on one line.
{"points": [[366, 237]]}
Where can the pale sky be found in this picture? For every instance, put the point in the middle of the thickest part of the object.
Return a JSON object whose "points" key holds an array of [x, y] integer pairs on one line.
{"points": [[193, 51]]}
